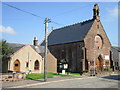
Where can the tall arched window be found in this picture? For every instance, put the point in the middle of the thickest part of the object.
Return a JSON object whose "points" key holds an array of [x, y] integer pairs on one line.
{"points": [[36, 65]]}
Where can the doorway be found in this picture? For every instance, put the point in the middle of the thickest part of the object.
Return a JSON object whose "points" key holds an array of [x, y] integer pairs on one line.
{"points": [[17, 65], [99, 64]]}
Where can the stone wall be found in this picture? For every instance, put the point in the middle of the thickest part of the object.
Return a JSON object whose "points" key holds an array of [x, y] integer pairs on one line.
{"points": [[22, 55], [93, 52], [72, 53], [51, 63], [13, 77]]}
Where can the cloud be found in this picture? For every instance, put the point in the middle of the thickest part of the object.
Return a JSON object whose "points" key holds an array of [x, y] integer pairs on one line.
{"points": [[8, 30], [114, 12]]}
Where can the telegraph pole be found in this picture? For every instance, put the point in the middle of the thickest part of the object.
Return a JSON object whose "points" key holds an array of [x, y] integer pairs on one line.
{"points": [[28, 63], [46, 44]]}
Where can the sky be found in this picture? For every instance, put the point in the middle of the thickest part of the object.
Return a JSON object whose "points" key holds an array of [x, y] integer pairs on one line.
{"points": [[21, 27]]}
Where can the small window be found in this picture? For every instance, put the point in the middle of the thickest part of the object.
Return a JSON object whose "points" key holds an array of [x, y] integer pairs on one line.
{"points": [[117, 63], [96, 41], [98, 48], [27, 64], [16, 64], [107, 62], [63, 54], [82, 53], [98, 26]]}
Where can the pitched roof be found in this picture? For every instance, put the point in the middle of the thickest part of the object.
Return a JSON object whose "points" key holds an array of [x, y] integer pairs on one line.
{"points": [[39, 49], [16, 46], [117, 48], [72, 33]]}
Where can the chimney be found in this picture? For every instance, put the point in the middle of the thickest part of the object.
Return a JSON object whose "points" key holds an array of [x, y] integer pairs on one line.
{"points": [[96, 12], [35, 41]]}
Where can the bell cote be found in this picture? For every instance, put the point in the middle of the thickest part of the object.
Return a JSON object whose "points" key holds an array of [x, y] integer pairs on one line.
{"points": [[96, 12]]}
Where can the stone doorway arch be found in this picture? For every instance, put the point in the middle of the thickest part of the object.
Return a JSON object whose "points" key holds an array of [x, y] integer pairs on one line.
{"points": [[17, 65], [99, 63]]}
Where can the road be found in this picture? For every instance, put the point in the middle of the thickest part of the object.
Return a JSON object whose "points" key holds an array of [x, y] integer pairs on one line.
{"points": [[85, 82]]}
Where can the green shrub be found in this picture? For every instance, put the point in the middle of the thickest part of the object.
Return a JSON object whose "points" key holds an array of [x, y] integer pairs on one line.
{"points": [[85, 71], [108, 69]]}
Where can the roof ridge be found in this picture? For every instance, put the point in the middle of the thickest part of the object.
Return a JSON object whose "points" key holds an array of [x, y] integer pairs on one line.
{"points": [[116, 46], [74, 24], [18, 44]]}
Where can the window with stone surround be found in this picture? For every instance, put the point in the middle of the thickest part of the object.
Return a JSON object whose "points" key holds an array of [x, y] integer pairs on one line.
{"points": [[36, 65], [98, 42]]}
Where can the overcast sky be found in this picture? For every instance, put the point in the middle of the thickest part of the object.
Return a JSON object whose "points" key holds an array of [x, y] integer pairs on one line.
{"points": [[20, 27]]}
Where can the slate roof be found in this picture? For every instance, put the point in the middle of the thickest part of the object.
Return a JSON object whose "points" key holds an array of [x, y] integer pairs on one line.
{"points": [[117, 48], [72, 33], [15, 46], [39, 49]]}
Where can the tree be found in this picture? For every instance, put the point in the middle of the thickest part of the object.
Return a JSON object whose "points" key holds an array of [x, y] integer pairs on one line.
{"points": [[5, 50]]}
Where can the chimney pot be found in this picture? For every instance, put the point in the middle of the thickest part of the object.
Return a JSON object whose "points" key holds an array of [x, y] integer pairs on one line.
{"points": [[35, 41]]}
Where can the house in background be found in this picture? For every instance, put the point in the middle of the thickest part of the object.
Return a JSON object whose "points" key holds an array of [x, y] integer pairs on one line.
{"points": [[29, 58], [116, 57], [83, 45]]}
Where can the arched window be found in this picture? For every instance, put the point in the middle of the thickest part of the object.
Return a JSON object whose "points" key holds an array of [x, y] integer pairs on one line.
{"points": [[98, 42], [36, 65]]}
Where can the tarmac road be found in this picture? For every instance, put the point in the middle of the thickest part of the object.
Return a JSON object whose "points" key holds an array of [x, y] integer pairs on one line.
{"points": [[94, 82], [84, 82]]}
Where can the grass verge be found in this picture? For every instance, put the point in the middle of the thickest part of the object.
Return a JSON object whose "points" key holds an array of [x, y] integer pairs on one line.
{"points": [[33, 76], [75, 74]]}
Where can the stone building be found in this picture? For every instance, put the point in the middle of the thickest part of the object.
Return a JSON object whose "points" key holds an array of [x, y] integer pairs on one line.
{"points": [[116, 57], [51, 60], [25, 58], [29, 58], [83, 45]]}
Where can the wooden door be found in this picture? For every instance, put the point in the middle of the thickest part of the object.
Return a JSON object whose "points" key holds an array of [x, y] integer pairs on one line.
{"points": [[97, 64], [17, 65]]}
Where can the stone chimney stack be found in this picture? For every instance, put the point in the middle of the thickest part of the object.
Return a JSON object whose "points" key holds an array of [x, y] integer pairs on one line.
{"points": [[35, 41], [96, 12]]}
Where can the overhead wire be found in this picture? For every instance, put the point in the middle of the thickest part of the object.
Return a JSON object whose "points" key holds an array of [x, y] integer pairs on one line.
{"points": [[42, 17], [22, 10], [66, 12], [30, 13]]}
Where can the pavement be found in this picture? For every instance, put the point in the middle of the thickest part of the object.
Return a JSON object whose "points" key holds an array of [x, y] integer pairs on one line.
{"points": [[67, 82], [27, 82]]}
